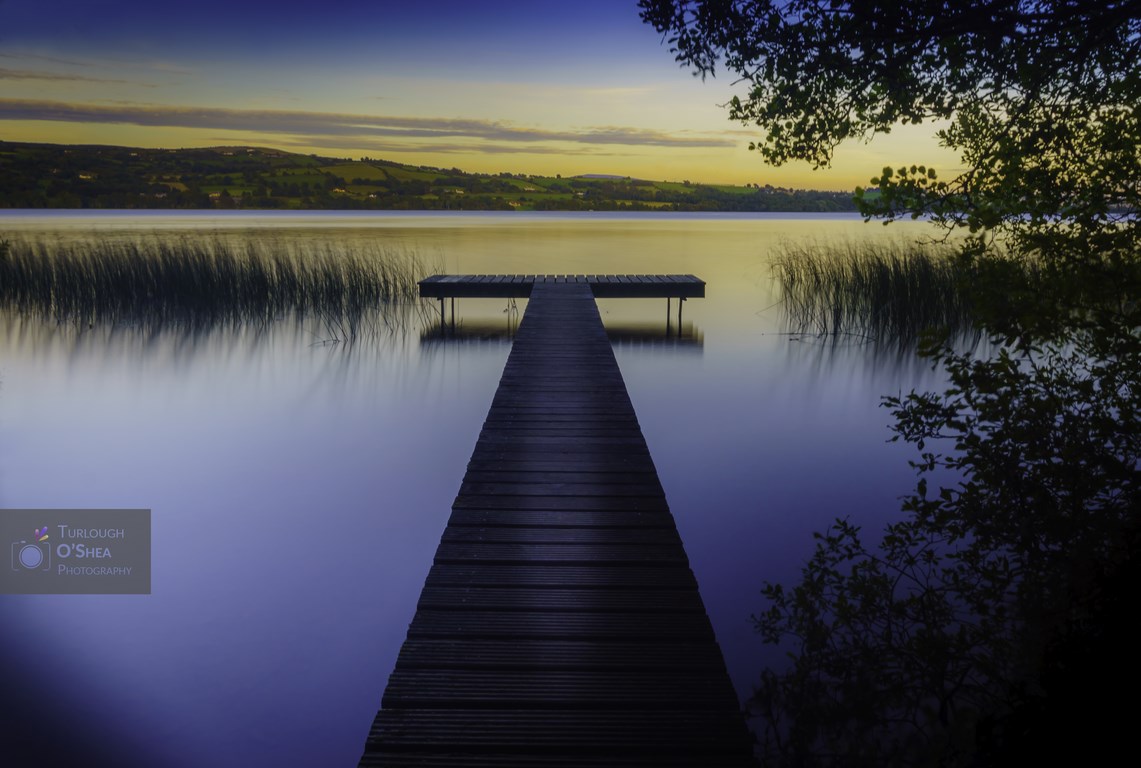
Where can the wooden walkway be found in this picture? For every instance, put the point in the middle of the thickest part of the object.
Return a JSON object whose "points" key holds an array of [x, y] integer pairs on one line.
{"points": [[601, 286], [560, 624]]}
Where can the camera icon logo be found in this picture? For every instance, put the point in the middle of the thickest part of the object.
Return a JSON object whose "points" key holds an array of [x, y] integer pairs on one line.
{"points": [[35, 555]]}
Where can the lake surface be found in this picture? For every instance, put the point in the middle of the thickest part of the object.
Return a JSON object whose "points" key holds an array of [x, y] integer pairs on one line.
{"points": [[299, 487]]}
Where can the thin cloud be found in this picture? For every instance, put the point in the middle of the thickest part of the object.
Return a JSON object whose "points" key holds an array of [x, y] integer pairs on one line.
{"points": [[40, 57], [102, 62], [366, 145], [324, 125], [621, 91], [24, 74]]}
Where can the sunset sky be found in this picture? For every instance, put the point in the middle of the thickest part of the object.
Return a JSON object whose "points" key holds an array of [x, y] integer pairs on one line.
{"points": [[542, 87]]}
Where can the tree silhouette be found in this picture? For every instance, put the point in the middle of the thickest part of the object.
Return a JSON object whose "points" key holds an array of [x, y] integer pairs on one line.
{"points": [[977, 628]]}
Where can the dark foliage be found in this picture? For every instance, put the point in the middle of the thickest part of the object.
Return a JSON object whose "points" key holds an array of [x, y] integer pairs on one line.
{"points": [[967, 635]]}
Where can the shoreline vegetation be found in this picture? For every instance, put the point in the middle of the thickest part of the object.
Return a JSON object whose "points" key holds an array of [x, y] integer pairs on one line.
{"points": [[201, 283], [253, 178], [875, 292]]}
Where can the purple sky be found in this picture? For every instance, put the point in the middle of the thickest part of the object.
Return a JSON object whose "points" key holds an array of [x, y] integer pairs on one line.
{"points": [[538, 87]]}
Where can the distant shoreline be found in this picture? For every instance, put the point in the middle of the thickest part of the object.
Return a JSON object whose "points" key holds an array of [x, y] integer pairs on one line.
{"points": [[71, 177]]}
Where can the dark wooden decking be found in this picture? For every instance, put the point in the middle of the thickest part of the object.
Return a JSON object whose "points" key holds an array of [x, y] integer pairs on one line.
{"points": [[601, 286], [560, 624]]}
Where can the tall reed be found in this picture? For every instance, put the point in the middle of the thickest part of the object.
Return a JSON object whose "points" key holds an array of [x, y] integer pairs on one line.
{"points": [[196, 281], [889, 291]]}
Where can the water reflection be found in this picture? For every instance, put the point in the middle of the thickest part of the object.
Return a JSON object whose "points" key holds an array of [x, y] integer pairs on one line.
{"points": [[299, 481], [621, 334], [298, 489]]}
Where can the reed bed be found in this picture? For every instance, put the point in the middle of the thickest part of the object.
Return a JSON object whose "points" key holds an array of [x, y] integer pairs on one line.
{"points": [[875, 292], [205, 281]]}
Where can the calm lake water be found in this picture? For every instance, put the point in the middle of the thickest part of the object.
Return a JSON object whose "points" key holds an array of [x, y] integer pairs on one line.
{"points": [[299, 488]]}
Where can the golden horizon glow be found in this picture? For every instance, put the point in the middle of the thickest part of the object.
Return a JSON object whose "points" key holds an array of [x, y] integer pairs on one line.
{"points": [[514, 103]]}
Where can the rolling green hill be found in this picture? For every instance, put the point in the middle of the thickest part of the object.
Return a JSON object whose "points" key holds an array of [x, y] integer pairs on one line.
{"points": [[57, 176]]}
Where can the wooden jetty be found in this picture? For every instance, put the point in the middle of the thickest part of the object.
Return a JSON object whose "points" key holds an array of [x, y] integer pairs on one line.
{"points": [[560, 624], [601, 286], [668, 287]]}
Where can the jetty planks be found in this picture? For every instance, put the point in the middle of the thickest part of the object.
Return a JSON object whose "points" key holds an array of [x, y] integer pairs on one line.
{"points": [[560, 624], [601, 286]]}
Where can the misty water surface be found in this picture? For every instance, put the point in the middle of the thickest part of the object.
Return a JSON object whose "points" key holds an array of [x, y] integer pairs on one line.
{"points": [[299, 486]]}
